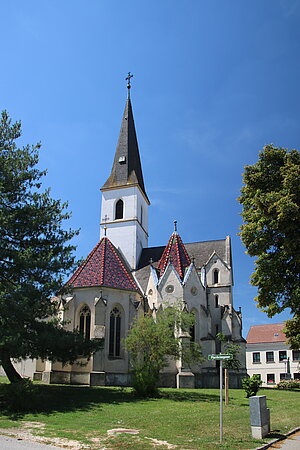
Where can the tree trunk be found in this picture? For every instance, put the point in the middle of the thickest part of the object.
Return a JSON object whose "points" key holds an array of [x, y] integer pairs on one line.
{"points": [[226, 386], [9, 369]]}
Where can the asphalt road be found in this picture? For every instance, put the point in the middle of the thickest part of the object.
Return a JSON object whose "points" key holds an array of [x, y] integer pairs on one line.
{"points": [[9, 443]]}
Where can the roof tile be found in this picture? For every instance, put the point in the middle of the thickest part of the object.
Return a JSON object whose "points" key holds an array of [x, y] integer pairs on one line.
{"points": [[266, 333], [175, 253], [104, 266]]}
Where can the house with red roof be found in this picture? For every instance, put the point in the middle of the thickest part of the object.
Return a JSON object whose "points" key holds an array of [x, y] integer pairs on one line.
{"points": [[268, 355], [122, 277]]}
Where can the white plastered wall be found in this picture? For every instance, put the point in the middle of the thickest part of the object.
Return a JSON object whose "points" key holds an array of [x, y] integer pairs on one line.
{"points": [[129, 234]]}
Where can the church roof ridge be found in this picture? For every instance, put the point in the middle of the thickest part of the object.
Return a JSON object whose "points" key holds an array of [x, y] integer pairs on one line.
{"points": [[176, 254], [209, 240], [127, 169], [104, 266]]}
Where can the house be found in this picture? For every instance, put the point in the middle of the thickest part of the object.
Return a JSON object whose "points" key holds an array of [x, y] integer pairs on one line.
{"points": [[268, 355]]}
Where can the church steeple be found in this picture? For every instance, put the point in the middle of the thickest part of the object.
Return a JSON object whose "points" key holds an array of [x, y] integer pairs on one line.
{"points": [[124, 212], [127, 169]]}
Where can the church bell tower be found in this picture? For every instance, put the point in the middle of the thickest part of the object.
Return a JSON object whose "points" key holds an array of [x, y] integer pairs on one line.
{"points": [[124, 211]]}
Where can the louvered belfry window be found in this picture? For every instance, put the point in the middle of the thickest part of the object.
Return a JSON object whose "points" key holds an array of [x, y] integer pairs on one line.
{"points": [[115, 333], [85, 322], [119, 209]]}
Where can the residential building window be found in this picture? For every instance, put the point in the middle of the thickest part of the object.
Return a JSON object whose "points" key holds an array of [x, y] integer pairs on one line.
{"points": [[282, 376], [216, 301], [256, 357], [216, 276], [141, 215], [85, 322], [282, 355], [296, 355], [270, 357], [271, 378], [115, 333], [119, 209], [297, 376]]}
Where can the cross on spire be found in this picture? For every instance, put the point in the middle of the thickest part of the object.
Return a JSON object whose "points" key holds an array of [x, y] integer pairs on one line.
{"points": [[175, 226], [128, 78], [105, 219]]}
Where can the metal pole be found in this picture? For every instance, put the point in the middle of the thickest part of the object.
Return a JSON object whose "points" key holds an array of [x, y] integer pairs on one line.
{"points": [[221, 401]]}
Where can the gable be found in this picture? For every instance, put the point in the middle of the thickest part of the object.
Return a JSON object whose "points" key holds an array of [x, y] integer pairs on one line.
{"points": [[199, 252]]}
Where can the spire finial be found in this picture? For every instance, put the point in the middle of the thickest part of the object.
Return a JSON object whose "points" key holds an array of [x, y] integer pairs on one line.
{"points": [[129, 76], [175, 226]]}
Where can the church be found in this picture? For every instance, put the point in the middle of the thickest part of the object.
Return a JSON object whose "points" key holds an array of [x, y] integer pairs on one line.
{"points": [[122, 277]]}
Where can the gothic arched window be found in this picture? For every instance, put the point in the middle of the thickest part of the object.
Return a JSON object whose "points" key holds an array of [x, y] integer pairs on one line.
{"points": [[216, 301], [115, 333], [216, 276], [193, 328], [85, 322], [119, 209]]}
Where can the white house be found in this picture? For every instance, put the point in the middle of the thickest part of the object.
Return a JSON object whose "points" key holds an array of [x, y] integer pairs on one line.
{"points": [[268, 355]]}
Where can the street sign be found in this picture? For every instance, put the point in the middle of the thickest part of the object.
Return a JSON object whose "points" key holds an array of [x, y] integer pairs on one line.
{"points": [[220, 356]]}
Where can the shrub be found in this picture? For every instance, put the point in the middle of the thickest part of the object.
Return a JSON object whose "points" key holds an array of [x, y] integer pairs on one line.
{"points": [[251, 385], [290, 384]]}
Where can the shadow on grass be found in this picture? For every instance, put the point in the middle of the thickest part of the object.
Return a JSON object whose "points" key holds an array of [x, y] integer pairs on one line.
{"points": [[47, 399], [274, 434], [193, 396]]}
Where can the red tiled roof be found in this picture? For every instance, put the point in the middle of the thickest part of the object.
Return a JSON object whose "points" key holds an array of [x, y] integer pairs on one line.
{"points": [[266, 333], [175, 253], [104, 267]]}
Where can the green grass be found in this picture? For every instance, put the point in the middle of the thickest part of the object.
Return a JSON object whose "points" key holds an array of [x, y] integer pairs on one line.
{"points": [[186, 418]]}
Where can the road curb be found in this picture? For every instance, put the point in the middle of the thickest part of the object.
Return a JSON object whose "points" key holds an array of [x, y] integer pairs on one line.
{"points": [[284, 436]]}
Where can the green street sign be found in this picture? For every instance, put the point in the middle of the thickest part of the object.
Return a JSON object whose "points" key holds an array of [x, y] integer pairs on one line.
{"points": [[220, 356]]}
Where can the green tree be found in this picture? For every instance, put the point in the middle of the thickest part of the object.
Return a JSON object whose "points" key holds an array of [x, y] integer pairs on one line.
{"points": [[153, 341], [292, 331], [270, 199], [35, 255], [234, 363], [252, 385]]}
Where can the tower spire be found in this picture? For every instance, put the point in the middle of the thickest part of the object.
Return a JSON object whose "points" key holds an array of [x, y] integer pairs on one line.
{"points": [[127, 169]]}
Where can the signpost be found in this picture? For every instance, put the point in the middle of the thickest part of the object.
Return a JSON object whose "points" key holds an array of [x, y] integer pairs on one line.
{"points": [[220, 357]]}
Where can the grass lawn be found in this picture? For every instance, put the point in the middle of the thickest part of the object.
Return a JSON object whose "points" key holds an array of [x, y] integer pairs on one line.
{"points": [[188, 419]]}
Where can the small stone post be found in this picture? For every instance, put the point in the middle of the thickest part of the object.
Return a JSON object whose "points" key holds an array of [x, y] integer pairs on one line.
{"points": [[259, 416]]}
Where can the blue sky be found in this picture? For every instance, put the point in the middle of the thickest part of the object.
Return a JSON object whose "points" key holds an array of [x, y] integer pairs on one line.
{"points": [[214, 81]]}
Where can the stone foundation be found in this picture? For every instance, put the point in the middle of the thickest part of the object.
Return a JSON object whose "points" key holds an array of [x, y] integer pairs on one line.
{"points": [[37, 376], [185, 380], [167, 380], [209, 379], [97, 379], [118, 379]]}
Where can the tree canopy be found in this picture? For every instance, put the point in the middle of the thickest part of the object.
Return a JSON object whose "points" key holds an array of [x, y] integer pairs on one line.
{"points": [[35, 255], [153, 340], [270, 199]]}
